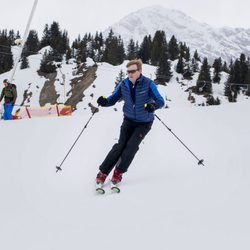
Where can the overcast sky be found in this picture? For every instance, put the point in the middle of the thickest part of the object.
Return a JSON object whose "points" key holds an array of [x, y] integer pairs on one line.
{"points": [[81, 16]]}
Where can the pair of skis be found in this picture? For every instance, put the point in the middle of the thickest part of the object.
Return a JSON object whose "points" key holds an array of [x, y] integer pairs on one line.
{"points": [[113, 187]]}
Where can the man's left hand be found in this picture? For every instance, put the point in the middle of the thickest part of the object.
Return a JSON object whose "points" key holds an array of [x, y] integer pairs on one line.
{"points": [[150, 107]]}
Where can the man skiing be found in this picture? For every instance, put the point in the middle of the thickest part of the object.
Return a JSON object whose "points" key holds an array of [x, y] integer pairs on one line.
{"points": [[9, 94], [141, 98]]}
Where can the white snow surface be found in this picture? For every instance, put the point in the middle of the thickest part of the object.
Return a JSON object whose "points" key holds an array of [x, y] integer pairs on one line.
{"points": [[167, 200]]}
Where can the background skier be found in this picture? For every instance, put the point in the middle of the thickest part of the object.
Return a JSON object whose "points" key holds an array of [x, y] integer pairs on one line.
{"points": [[9, 94]]}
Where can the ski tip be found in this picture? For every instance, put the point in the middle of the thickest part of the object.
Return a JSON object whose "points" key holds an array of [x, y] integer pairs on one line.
{"points": [[100, 191], [115, 189]]}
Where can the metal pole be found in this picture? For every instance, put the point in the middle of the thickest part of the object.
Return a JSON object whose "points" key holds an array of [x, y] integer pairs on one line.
{"points": [[200, 161], [23, 41], [59, 168]]}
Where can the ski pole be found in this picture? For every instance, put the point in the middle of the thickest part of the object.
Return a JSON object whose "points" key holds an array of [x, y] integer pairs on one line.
{"points": [[19, 105], [200, 161], [59, 168]]}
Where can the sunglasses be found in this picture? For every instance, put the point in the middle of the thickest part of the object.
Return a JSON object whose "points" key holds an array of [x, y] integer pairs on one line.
{"points": [[131, 71]]}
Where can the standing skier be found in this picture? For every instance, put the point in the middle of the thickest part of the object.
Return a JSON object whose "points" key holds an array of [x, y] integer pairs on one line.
{"points": [[141, 98], [9, 94]]}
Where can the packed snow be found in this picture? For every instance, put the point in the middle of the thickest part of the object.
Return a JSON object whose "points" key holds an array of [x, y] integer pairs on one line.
{"points": [[167, 200]]}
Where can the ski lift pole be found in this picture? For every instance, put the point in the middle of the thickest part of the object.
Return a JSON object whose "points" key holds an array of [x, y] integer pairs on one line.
{"points": [[59, 168], [200, 161], [24, 40]]}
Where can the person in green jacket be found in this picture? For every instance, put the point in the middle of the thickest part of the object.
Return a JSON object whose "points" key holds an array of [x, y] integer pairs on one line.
{"points": [[9, 94]]}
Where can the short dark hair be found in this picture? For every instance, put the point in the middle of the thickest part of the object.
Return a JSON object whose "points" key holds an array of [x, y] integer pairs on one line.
{"points": [[137, 62], [5, 81]]}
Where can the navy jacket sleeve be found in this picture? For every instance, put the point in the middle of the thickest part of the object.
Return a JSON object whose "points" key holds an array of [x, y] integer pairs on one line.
{"points": [[154, 93], [117, 94]]}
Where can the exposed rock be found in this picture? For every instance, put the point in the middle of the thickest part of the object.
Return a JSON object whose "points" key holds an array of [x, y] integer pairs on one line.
{"points": [[79, 84], [48, 93]]}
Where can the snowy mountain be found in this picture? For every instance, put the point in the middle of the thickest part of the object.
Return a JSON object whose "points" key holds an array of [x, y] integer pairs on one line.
{"points": [[210, 42]]}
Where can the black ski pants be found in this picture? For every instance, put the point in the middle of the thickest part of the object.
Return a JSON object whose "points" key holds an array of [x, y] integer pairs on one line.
{"points": [[122, 153]]}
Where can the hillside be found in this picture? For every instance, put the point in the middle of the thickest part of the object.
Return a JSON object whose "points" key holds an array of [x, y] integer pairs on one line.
{"points": [[78, 89]]}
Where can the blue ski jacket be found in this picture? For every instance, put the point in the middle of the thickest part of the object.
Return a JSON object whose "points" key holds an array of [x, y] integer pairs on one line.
{"points": [[144, 91]]}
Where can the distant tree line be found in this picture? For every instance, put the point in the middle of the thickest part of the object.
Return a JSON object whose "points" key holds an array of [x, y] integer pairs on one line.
{"points": [[6, 57], [154, 50]]}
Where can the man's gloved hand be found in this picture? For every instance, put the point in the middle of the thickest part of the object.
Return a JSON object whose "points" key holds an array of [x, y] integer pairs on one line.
{"points": [[150, 107], [102, 101]]}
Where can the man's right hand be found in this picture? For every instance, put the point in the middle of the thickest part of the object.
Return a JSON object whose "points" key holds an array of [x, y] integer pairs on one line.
{"points": [[102, 101]]}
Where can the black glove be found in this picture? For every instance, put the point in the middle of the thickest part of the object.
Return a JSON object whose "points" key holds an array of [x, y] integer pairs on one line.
{"points": [[150, 107], [102, 101]]}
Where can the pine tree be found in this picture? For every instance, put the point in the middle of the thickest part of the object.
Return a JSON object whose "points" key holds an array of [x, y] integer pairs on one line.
{"points": [[188, 73], [163, 71], [228, 87], [57, 57], [204, 85], [114, 50], [145, 49], [68, 54], [187, 54], [247, 82], [32, 44], [24, 62], [98, 41], [120, 77], [225, 68], [120, 51], [57, 39], [243, 69], [159, 46], [55, 35], [231, 82], [98, 47], [196, 56], [184, 51], [137, 47], [12, 36], [180, 66], [81, 53], [46, 37], [228, 92], [64, 46], [237, 77], [194, 65], [47, 65], [90, 47], [173, 49], [6, 56], [217, 65], [75, 46], [131, 50]]}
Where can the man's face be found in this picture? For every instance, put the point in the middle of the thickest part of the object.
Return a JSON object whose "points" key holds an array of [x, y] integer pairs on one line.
{"points": [[133, 73], [5, 84]]}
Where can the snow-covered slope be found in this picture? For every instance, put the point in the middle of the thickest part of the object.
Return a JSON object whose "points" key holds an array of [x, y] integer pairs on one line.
{"points": [[210, 42], [167, 201], [165, 195]]}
